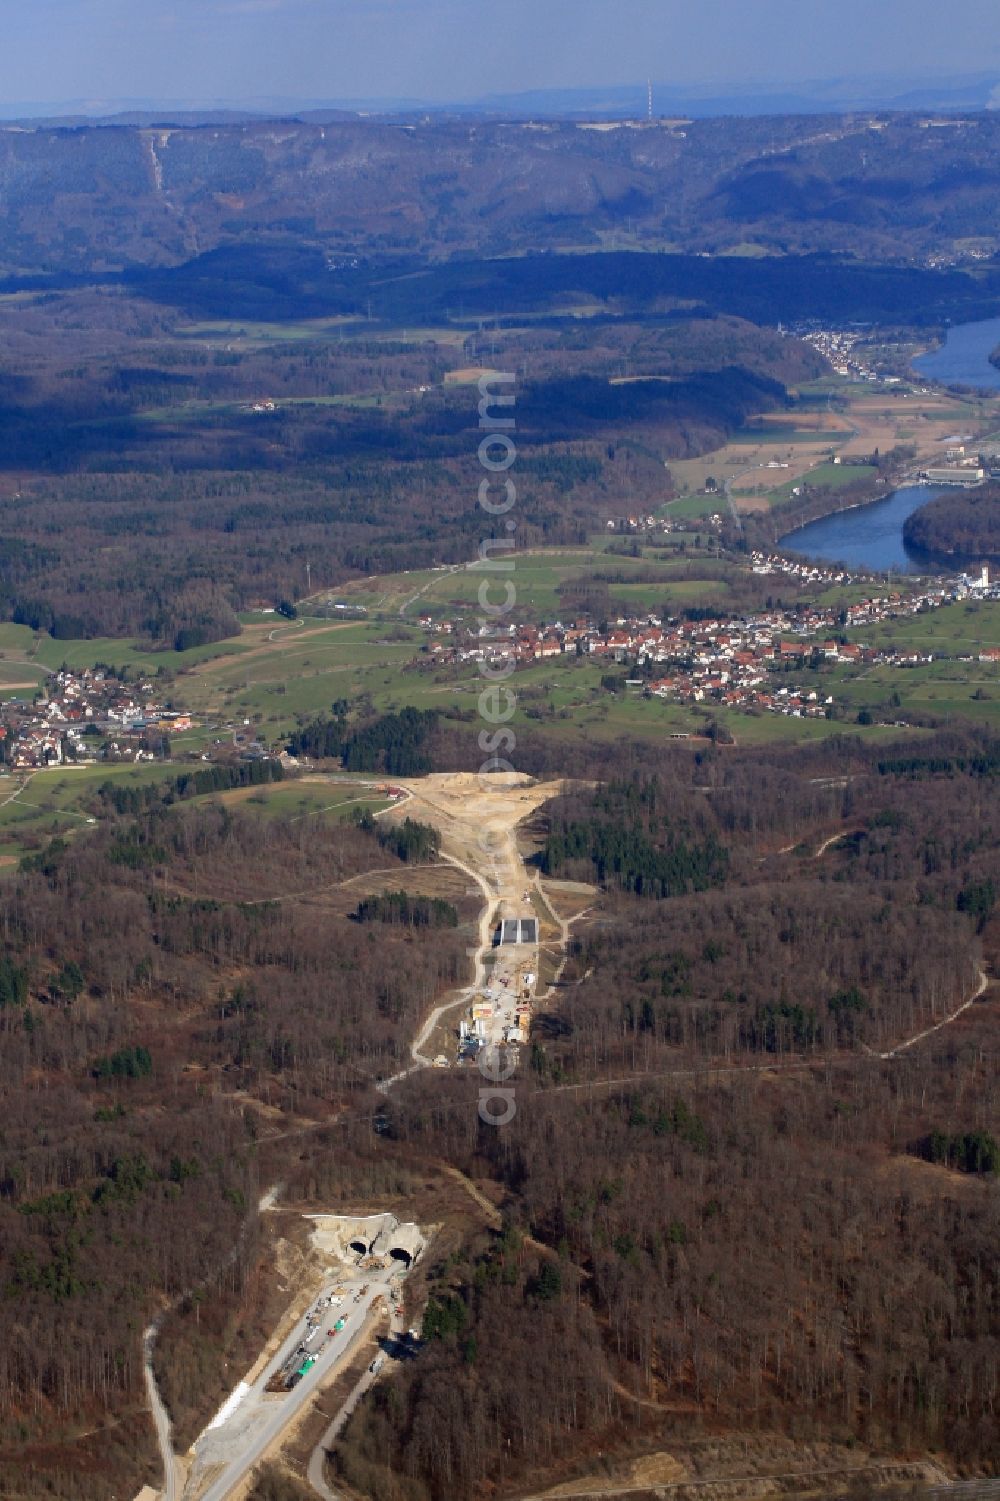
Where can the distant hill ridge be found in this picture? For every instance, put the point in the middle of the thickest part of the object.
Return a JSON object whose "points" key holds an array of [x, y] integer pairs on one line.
{"points": [[970, 91], [889, 188]]}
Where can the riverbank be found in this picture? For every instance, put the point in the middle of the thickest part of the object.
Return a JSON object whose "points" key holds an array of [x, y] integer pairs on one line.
{"points": [[961, 526], [965, 357], [866, 535]]}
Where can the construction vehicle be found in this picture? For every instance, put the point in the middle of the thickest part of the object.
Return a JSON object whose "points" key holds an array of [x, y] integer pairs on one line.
{"points": [[291, 1373], [302, 1370]]}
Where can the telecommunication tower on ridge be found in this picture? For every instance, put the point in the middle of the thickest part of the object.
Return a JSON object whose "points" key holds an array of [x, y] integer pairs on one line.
{"points": [[649, 99]]}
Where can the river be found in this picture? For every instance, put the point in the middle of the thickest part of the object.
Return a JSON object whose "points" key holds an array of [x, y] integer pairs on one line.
{"points": [[871, 536], [964, 357], [868, 536]]}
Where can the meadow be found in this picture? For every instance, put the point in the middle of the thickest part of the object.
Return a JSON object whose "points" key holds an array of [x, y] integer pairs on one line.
{"points": [[38, 805], [538, 576], [958, 629], [279, 674], [60, 801]]}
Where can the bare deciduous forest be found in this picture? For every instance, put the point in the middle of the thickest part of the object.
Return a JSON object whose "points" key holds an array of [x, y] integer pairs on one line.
{"points": [[143, 495], [750, 1190], [720, 1203]]}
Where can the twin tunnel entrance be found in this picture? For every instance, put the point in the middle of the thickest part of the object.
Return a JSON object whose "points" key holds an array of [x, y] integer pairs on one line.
{"points": [[387, 1238]]}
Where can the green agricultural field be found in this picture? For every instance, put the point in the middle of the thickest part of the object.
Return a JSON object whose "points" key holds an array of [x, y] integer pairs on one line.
{"points": [[538, 578], [694, 507], [37, 805], [845, 594], [832, 476], [301, 799], [535, 577], [969, 691], [386, 593], [192, 412], [674, 592], [783, 729], [955, 629], [16, 638], [121, 653], [250, 332], [615, 716], [27, 647], [205, 410], [299, 673], [20, 679]]}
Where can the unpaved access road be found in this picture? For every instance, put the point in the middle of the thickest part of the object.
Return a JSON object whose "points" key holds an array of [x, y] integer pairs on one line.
{"points": [[161, 1420], [317, 1462], [477, 818]]}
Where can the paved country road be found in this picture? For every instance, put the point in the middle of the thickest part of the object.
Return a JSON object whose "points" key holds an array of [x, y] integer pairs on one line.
{"points": [[317, 1462]]}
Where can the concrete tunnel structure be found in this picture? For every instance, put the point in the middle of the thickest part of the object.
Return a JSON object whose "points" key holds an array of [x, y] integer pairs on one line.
{"points": [[383, 1235]]}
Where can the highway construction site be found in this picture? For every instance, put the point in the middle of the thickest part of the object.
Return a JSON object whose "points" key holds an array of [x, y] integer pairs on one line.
{"points": [[368, 1260]]}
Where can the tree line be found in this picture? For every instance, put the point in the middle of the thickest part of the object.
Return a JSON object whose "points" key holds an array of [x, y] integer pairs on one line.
{"points": [[400, 909], [395, 743]]}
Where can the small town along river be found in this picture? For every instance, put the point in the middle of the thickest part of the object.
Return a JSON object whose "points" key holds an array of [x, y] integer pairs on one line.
{"points": [[871, 536]]}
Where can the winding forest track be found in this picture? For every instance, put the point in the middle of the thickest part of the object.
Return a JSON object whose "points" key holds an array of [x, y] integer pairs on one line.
{"points": [[878, 1472], [981, 985], [782, 1065], [161, 1418]]}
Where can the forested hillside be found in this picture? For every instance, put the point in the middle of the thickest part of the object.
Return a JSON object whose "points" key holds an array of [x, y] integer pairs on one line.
{"points": [[146, 489], [156, 992], [731, 1187], [722, 1206], [966, 523], [731, 1254], [885, 186]]}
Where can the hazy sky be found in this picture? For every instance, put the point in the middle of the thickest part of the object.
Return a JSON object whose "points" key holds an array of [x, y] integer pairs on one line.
{"points": [[52, 50]]}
